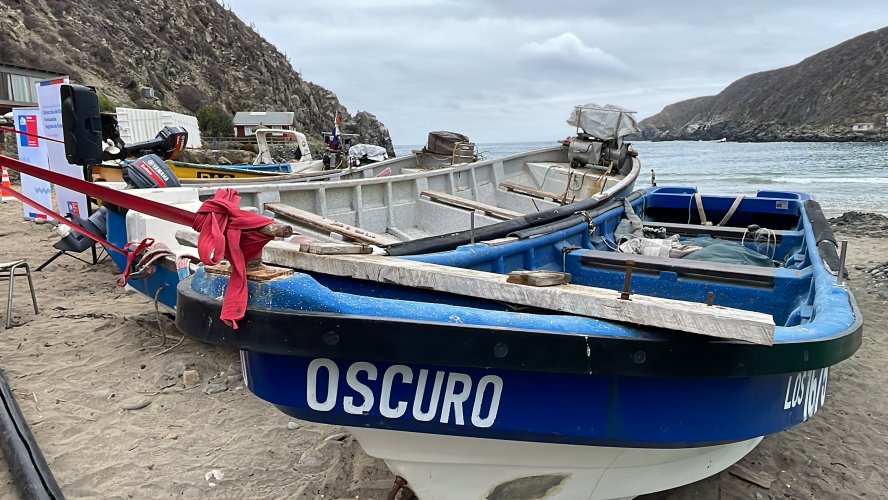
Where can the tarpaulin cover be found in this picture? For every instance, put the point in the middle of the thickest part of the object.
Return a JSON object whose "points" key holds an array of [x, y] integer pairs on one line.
{"points": [[372, 152], [604, 122]]}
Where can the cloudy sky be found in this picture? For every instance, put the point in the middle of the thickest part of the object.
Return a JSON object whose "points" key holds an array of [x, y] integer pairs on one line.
{"points": [[503, 71]]}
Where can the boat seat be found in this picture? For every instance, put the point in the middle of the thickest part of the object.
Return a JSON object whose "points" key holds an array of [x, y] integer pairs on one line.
{"points": [[529, 191], [458, 201], [8, 272], [322, 223], [726, 232], [762, 276]]}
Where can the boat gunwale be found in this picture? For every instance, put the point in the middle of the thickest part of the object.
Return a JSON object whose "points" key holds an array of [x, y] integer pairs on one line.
{"points": [[373, 338], [247, 187], [665, 353]]}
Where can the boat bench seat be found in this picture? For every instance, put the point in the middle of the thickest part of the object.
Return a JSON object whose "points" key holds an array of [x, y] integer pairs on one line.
{"points": [[321, 223], [458, 201], [529, 191], [726, 232], [762, 276]]}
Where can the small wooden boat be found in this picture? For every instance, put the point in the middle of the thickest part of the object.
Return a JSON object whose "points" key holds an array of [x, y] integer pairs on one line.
{"points": [[408, 210], [472, 378]]}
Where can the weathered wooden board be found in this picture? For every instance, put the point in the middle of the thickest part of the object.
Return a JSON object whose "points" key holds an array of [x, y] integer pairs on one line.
{"points": [[457, 201], [682, 267], [529, 191], [334, 226], [593, 302], [321, 248], [258, 273], [538, 278]]}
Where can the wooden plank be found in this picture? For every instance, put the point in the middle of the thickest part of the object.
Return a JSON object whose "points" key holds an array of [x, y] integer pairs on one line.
{"points": [[187, 237], [588, 301], [457, 201], [682, 267], [714, 231], [538, 278], [260, 273], [334, 226], [320, 248], [529, 191]]}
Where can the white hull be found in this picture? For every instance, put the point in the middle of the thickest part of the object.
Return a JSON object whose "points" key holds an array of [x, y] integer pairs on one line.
{"points": [[439, 467]]}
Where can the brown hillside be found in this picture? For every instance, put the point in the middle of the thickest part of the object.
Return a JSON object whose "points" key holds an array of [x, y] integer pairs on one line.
{"points": [[820, 98], [190, 53]]}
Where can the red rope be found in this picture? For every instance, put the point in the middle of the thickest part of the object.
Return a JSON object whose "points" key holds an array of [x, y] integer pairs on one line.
{"points": [[221, 223], [29, 134], [130, 254]]}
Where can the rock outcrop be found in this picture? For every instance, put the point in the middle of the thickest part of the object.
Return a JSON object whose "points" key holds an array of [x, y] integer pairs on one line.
{"points": [[189, 53], [821, 98]]}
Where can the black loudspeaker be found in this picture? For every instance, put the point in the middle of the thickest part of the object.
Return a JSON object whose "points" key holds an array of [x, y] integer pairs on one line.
{"points": [[82, 125]]}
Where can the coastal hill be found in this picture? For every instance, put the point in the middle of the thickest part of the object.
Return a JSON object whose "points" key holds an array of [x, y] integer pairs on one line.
{"points": [[823, 98], [190, 53]]}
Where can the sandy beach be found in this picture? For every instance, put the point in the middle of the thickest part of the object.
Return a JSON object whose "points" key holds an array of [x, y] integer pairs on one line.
{"points": [[95, 350]]}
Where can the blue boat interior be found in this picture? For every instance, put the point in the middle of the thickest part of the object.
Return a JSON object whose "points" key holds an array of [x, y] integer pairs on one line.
{"points": [[793, 287], [783, 290]]}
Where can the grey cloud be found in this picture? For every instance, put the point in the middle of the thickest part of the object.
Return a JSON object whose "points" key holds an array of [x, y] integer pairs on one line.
{"points": [[511, 71]]}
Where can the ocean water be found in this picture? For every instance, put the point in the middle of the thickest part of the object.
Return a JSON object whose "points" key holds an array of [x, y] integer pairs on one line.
{"points": [[842, 176]]}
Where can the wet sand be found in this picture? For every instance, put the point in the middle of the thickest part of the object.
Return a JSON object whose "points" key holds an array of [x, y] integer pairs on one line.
{"points": [[95, 349]]}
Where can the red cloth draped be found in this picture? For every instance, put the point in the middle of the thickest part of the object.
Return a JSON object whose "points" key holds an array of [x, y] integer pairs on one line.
{"points": [[221, 224]]}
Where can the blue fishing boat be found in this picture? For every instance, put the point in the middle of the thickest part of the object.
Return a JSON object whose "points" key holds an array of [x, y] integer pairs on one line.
{"points": [[590, 350], [676, 346]]}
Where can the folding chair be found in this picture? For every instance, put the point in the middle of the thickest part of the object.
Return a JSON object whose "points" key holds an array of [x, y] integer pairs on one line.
{"points": [[76, 243], [8, 271]]}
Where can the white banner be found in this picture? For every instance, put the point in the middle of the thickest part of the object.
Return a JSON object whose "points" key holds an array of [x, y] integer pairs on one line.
{"points": [[50, 102], [32, 150]]}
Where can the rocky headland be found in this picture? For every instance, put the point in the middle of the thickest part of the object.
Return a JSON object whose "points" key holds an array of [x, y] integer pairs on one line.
{"points": [[838, 94]]}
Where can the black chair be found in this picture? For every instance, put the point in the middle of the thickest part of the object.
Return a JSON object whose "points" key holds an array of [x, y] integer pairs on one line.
{"points": [[75, 242]]}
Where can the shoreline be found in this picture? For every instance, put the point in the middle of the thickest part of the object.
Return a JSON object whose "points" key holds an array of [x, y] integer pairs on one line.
{"points": [[95, 349]]}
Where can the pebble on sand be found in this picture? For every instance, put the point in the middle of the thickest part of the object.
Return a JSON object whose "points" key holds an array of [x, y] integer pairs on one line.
{"points": [[136, 404], [190, 378], [215, 388], [214, 475], [105, 393]]}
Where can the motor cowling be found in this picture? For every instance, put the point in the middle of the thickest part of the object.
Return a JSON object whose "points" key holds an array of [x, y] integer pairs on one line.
{"points": [[583, 151], [149, 171], [618, 154], [586, 150]]}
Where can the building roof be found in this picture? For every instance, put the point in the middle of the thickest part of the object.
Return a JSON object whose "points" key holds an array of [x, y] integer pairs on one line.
{"points": [[28, 70], [263, 118]]}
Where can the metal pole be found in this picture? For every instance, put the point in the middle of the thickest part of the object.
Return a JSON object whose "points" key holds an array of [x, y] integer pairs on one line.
{"points": [[472, 226], [843, 251]]}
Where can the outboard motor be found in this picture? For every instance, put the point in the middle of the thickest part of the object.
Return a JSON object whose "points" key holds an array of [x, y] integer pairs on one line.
{"points": [[599, 140], [167, 144], [587, 150], [619, 154], [149, 171], [584, 150]]}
